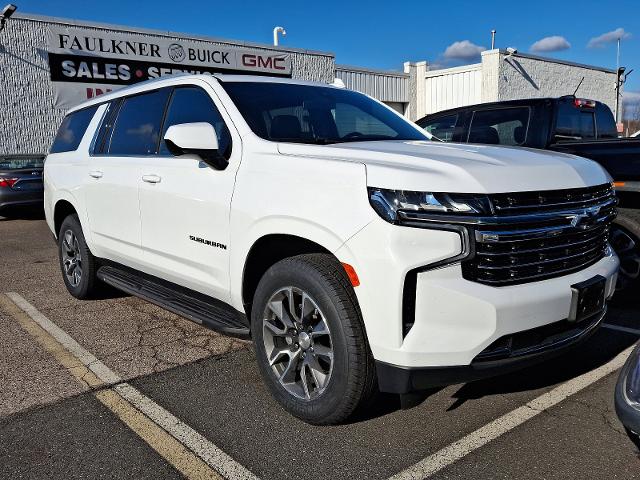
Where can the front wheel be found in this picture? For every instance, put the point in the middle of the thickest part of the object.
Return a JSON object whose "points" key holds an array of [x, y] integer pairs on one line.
{"points": [[310, 342]]}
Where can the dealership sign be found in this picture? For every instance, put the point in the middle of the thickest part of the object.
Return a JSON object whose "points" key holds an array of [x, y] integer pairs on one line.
{"points": [[84, 63]]}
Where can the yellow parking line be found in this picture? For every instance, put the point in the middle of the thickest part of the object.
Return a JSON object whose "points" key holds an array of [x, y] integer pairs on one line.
{"points": [[79, 371], [169, 448], [182, 459]]}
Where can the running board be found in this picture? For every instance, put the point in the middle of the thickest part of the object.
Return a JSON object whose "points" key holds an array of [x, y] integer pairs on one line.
{"points": [[190, 304]]}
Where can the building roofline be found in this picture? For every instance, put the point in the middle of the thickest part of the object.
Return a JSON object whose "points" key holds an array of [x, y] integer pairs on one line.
{"points": [[165, 33], [551, 60], [392, 73], [461, 68]]}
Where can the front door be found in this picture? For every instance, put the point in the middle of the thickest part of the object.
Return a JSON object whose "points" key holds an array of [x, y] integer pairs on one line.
{"points": [[185, 204]]}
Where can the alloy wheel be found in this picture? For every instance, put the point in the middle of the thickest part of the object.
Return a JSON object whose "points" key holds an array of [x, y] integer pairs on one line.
{"points": [[71, 258], [298, 343]]}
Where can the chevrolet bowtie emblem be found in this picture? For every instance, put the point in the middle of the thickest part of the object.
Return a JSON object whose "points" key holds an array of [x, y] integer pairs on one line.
{"points": [[580, 220]]}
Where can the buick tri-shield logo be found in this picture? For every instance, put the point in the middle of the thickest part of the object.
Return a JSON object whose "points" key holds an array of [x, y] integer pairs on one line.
{"points": [[176, 52]]}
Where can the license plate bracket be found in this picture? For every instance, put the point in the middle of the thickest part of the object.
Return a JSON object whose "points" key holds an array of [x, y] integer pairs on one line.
{"points": [[587, 298]]}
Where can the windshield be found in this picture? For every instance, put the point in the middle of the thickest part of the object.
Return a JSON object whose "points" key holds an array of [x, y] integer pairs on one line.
{"points": [[8, 163], [285, 112]]}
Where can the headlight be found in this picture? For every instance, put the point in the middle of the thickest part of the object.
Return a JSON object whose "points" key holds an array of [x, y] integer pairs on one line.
{"points": [[396, 205]]}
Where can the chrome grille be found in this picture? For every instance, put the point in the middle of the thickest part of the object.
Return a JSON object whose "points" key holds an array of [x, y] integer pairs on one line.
{"points": [[537, 235]]}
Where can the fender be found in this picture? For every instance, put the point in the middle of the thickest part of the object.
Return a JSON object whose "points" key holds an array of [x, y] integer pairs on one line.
{"points": [[278, 225], [64, 195]]}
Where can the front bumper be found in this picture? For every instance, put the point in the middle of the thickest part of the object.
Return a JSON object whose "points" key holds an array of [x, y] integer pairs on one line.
{"points": [[455, 319], [628, 410], [545, 345]]}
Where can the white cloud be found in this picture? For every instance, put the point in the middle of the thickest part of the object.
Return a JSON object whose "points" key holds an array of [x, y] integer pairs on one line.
{"points": [[609, 37], [631, 98], [464, 50], [554, 43]]}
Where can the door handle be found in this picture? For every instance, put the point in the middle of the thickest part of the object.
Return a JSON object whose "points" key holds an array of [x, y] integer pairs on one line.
{"points": [[95, 174], [151, 178]]}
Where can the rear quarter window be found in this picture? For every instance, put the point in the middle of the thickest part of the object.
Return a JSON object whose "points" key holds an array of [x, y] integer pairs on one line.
{"points": [[573, 123], [72, 130]]}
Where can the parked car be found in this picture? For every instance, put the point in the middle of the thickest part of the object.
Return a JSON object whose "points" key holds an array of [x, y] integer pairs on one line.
{"points": [[627, 396], [21, 182], [356, 253], [567, 124]]}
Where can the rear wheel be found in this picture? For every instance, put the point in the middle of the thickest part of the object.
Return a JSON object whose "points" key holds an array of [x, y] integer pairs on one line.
{"points": [[310, 341], [77, 263], [625, 240]]}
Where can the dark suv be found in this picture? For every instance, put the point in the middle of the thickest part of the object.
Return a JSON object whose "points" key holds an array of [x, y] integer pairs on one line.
{"points": [[21, 182]]}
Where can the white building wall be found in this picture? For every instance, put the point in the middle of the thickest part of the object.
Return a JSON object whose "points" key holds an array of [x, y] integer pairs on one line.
{"points": [[452, 87], [386, 86], [504, 77], [528, 76]]}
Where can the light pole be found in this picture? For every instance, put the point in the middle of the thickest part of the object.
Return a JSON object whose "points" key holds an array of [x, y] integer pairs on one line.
{"points": [[276, 31]]}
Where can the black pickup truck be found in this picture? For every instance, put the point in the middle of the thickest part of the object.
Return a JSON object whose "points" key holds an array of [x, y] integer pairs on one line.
{"points": [[565, 124]]}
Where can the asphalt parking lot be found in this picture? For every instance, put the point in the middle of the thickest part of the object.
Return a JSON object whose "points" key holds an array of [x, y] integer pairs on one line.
{"points": [[118, 388]]}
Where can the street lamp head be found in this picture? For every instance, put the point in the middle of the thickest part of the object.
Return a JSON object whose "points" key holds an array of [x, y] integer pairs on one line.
{"points": [[8, 11]]}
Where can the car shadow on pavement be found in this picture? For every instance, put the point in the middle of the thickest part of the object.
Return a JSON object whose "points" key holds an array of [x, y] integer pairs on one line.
{"points": [[596, 351]]}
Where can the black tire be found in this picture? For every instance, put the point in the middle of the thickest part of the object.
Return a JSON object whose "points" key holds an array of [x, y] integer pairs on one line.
{"points": [[88, 285], [625, 229], [352, 380], [633, 437]]}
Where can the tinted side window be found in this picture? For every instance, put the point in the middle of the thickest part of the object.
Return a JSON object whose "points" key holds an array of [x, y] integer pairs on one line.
{"points": [[442, 127], [192, 104], [605, 122], [137, 128], [504, 126], [574, 123], [72, 130]]}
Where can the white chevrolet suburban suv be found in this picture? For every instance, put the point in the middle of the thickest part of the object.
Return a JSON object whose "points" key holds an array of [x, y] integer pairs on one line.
{"points": [[356, 253]]}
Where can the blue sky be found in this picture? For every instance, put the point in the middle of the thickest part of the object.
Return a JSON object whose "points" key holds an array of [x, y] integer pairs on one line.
{"points": [[385, 34]]}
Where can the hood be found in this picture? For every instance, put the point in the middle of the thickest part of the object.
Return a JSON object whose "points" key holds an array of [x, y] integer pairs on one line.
{"points": [[461, 168]]}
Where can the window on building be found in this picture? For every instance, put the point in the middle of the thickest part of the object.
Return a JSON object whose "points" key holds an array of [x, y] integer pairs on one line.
{"points": [[190, 105], [503, 126], [137, 128], [72, 130], [441, 127]]}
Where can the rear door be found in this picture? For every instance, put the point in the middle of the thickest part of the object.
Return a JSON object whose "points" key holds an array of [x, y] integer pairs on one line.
{"points": [[130, 134], [185, 204]]}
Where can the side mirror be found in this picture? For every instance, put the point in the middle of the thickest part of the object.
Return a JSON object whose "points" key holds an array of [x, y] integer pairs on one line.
{"points": [[198, 138]]}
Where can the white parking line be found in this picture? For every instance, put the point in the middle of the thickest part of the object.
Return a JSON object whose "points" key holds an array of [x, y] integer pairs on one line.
{"points": [[183, 433], [620, 328], [459, 449]]}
